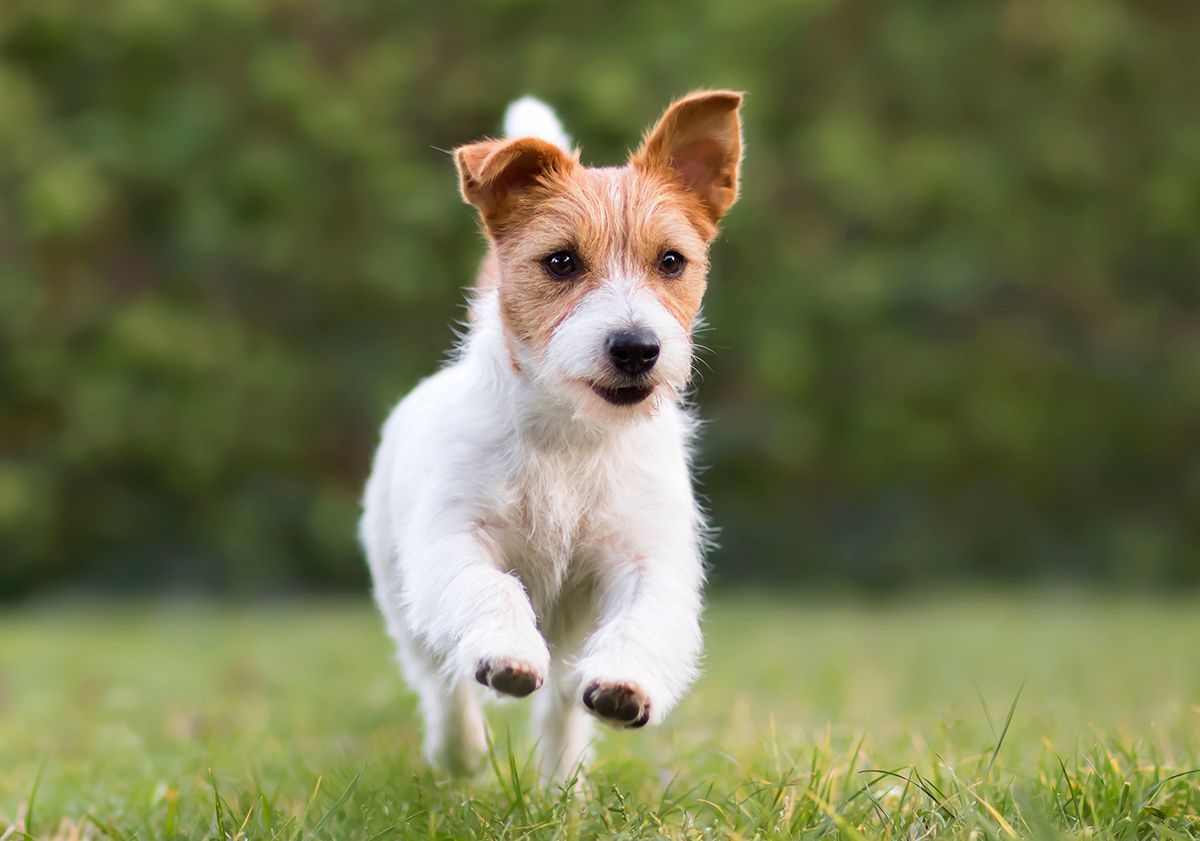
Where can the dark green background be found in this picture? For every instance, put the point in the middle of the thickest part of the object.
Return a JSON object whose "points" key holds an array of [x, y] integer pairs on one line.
{"points": [[955, 319]]}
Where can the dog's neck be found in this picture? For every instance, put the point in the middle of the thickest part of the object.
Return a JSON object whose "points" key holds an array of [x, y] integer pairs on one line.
{"points": [[537, 418]]}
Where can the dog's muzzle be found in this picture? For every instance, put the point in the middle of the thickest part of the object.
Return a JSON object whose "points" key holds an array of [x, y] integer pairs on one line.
{"points": [[633, 353]]}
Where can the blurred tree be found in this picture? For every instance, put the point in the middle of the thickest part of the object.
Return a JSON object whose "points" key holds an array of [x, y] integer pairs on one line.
{"points": [[955, 320]]}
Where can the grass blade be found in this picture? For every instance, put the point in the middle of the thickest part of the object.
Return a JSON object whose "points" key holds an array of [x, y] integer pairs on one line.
{"points": [[337, 804], [1007, 721]]}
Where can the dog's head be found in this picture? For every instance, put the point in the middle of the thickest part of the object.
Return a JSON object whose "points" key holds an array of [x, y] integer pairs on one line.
{"points": [[601, 271]]}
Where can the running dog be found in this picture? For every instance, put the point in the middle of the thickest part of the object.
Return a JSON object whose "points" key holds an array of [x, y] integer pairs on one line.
{"points": [[530, 521]]}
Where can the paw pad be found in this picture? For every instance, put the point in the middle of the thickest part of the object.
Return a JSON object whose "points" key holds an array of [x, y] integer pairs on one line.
{"points": [[508, 676], [620, 704]]}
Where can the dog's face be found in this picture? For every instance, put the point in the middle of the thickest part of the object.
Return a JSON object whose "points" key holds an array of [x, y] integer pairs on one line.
{"points": [[601, 272]]}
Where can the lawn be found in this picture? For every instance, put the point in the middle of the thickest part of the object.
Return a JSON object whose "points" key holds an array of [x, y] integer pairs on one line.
{"points": [[950, 716]]}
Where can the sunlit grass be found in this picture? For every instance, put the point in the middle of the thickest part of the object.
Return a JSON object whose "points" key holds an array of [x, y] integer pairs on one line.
{"points": [[813, 720]]}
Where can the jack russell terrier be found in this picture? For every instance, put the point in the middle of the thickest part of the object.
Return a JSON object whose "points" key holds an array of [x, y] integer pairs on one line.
{"points": [[530, 520]]}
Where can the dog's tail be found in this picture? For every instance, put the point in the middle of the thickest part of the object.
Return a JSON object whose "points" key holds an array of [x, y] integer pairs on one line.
{"points": [[530, 117]]}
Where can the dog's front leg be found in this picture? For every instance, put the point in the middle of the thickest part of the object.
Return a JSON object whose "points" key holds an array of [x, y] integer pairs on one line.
{"points": [[645, 650], [476, 617]]}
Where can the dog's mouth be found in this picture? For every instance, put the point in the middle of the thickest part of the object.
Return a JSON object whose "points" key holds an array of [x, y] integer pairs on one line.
{"points": [[627, 395]]}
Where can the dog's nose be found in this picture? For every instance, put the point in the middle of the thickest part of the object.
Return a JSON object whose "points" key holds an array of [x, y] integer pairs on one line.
{"points": [[633, 351]]}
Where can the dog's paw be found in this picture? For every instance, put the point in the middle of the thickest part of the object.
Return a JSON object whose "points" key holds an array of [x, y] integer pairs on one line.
{"points": [[508, 676], [619, 703]]}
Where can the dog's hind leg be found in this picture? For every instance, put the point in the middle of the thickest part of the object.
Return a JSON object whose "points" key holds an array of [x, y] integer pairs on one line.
{"points": [[564, 730], [455, 732], [455, 736]]}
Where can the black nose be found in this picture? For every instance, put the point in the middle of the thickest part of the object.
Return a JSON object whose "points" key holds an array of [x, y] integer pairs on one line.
{"points": [[633, 351]]}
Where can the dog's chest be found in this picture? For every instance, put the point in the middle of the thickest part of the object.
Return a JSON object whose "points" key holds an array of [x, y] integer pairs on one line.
{"points": [[555, 512]]}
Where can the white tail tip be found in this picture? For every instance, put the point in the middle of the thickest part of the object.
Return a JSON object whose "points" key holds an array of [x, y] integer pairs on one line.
{"points": [[530, 117]]}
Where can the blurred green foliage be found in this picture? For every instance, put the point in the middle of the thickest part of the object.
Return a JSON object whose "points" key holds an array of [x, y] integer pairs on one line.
{"points": [[955, 319]]}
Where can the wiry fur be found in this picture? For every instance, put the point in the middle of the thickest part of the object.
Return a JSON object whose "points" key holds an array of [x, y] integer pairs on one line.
{"points": [[520, 528]]}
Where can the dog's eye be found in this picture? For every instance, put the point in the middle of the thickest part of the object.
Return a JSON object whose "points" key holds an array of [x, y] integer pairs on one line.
{"points": [[562, 264], [670, 264]]}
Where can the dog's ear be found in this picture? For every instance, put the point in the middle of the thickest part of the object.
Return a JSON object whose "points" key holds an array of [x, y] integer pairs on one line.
{"points": [[699, 140], [492, 172]]}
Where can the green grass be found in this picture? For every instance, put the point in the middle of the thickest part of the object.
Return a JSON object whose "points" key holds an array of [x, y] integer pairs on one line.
{"points": [[812, 721]]}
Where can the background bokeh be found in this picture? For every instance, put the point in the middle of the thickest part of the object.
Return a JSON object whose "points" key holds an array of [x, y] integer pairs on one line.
{"points": [[954, 321]]}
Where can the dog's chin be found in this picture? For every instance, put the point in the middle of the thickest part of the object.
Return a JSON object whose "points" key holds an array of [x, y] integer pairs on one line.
{"points": [[623, 395], [619, 403]]}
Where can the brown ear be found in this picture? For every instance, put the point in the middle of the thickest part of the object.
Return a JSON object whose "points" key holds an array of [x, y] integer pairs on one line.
{"points": [[699, 138], [492, 172]]}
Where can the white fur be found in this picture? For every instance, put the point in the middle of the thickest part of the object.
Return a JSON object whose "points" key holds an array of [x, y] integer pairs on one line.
{"points": [[576, 351], [515, 514], [530, 117]]}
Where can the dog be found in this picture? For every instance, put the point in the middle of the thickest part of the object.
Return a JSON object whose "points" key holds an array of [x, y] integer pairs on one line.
{"points": [[530, 521]]}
